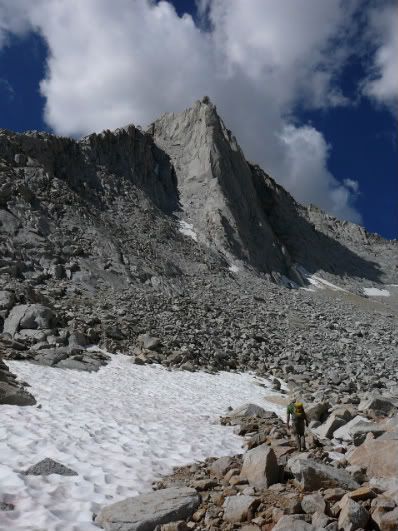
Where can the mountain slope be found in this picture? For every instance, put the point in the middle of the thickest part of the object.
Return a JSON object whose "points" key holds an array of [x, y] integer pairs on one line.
{"points": [[91, 234]]}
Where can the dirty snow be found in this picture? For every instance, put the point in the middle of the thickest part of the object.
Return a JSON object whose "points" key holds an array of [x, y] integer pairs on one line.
{"points": [[318, 282], [375, 292], [119, 429], [187, 229]]}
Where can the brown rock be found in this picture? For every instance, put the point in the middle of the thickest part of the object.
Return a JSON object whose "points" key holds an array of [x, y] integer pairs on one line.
{"points": [[333, 495], [380, 506], [363, 493], [230, 473], [380, 457], [389, 521], [203, 484]]}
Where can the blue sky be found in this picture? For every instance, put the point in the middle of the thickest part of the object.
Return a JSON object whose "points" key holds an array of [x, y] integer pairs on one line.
{"points": [[318, 113]]}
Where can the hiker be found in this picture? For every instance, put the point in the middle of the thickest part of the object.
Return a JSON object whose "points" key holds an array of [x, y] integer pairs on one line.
{"points": [[295, 410]]}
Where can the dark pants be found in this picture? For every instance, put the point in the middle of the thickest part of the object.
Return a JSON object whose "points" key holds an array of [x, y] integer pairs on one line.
{"points": [[298, 428]]}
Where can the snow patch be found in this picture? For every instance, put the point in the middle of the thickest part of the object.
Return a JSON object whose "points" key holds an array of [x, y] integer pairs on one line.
{"points": [[187, 229], [375, 292], [119, 429], [234, 268], [318, 282]]}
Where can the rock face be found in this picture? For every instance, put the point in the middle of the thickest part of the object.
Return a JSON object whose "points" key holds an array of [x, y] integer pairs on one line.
{"points": [[144, 513], [11, 392], [210, 170], [249, 220]]}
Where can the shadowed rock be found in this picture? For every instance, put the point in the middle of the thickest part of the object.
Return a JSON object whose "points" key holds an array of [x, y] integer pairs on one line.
{"points": [[48, 466]]}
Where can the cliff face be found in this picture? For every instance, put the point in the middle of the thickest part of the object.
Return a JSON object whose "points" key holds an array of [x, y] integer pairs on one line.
{"points": [[239, 209], [217, 192]]}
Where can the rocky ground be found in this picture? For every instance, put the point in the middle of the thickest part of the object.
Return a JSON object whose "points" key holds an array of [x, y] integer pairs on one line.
{"points": [[347, 480]]}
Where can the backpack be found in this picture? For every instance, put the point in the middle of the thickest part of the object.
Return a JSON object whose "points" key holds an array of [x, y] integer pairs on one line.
{"points": [[298, 410]]}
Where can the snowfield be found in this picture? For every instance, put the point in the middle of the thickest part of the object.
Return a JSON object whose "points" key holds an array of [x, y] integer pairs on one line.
{"points": [[187, 229], [119, 429], [375, 292]]}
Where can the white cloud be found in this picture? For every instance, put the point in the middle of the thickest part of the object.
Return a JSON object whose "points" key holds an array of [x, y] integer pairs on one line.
{"points": [[126, 61], [382, 84], [353, 185], [307, 174]]}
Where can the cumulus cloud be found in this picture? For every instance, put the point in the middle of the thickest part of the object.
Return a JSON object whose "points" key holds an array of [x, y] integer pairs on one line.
{"points": [[382, 83], [111, 63]]}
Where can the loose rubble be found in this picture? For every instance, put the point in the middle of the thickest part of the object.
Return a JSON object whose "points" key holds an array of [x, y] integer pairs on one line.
{"points": [[260, 491]]}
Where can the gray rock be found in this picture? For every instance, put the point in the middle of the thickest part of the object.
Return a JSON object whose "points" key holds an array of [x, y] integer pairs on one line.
{"points": [[33, 316], [221, 466], [313, 503], [247, 410], [48, 466], [20, 159], [317, 411], [344, 433], [360, 431], [379, 405], [333, 423], [352, 516], [292, 523], [6, 506], [145, 512], [260, 467], [313, 475], [149, 342], [240, 508], [7, 299]]}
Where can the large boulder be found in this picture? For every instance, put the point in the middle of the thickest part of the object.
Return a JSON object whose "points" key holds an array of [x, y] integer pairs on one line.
{"points": [[379, 405], [378, 456], [344, 433], [145, 512], [260, 467], [313, 475], [317, 411], [361, 430], [29, 316], [333, 423]]}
